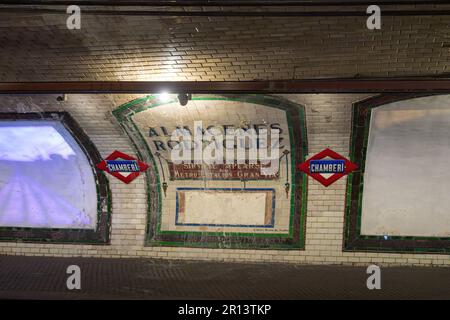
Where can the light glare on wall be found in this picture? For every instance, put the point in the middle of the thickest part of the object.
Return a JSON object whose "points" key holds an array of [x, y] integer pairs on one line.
{"points": [[164, 96]]}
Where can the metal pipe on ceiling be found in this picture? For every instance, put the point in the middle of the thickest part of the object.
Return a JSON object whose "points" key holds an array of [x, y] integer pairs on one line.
{"points": [[222, 3], [266, 87], [172, 13]]}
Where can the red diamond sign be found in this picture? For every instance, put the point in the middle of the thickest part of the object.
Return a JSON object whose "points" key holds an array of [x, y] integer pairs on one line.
{"points": [[118, 163], [337, 166]]}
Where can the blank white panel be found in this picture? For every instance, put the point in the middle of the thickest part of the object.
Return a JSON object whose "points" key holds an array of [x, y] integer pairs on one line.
{"points": [[236, 208], [407, 177]]}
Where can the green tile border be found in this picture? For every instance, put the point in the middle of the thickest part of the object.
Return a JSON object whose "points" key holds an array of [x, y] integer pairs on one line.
{"points": [[157, 237], [353, 240]]}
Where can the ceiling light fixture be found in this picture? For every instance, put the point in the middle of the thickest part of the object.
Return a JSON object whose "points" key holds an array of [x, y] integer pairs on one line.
{"points": [[183, 98]]}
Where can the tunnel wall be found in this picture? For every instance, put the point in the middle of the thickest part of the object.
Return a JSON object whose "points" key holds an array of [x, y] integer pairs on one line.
{"points": [[328, 124]]}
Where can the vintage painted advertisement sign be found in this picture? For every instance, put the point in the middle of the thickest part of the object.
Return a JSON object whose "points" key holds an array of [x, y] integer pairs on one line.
{"points": [[234, 171], [223, 169]]}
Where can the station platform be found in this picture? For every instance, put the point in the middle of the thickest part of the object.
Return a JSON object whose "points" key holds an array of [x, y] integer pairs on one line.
{"points": [[45, 278]]}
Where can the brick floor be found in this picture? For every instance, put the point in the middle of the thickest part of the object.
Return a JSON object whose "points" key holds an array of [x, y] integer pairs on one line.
{"points": [[45, 278]]}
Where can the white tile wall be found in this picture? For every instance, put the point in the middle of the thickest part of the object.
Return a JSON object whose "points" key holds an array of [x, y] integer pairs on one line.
{"points": [[328, 120]]}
